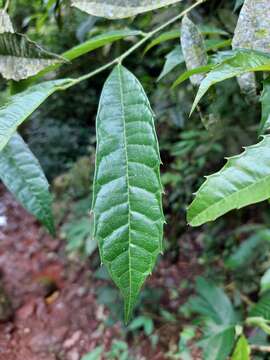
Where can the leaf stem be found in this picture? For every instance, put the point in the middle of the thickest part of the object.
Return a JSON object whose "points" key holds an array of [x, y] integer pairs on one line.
{"points": [[146, 37]]}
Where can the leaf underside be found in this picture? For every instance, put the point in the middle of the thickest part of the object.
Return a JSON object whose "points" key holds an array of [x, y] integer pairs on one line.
{"points": [[193, 48], [251, 33], [244, 180], [20, 171], [21, 58], [5, 22], [19, 107], [127, 198], [116, 9]]}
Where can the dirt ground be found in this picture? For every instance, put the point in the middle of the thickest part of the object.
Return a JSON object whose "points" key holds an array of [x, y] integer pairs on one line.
{"points": [[55, 315]]}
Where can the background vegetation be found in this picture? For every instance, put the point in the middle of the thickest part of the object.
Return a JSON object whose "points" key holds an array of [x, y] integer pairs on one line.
{"points": [[220, 265]]}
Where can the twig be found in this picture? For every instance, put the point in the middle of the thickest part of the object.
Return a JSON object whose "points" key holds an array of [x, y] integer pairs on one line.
{"points": [[146, 37], [260, 348]]}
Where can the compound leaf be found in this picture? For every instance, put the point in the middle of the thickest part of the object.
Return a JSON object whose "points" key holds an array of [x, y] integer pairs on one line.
{"points": [[19, 107], [244, 180], [127, 204], [116, 9], [20, 171]]}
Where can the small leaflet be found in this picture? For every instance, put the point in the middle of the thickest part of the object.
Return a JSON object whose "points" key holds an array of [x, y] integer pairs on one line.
{"points": [[193, 48]]}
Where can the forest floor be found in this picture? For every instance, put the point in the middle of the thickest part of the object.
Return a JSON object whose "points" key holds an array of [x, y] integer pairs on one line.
{"points": [[55, 313]]}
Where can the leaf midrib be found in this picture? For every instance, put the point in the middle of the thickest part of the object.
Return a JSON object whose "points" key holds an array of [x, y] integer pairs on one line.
{"points": [[123, 117], [228, 197]]}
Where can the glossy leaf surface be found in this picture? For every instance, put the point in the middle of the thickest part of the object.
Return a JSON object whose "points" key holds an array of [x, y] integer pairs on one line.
{"points": [[244, 180], [116, 9], [127, 203], [20, 171], [220, 345], [242, 350], [19, 107], [240, 62]]}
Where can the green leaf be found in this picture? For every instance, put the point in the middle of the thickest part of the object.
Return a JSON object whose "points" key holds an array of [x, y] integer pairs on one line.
{"points": [[187, 74], [262, 308], [244, 180], [213, 303], [94, 354], [265, 101], [19, 107], [220, 345], [21, 58], [117, 9], [5, 22], [241, 62], [242, 350], [193, 48], [97, 42], [173, 59], [20, 171], [248, 250], [127, 203], [265, 281], [165, 36]]}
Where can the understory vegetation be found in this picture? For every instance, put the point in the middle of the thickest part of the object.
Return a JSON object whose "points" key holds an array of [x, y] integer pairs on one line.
{"points": [[137, 116]]}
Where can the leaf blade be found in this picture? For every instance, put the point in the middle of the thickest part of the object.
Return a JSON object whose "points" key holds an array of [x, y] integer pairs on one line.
{"points": [[131, 240], [19, 107], [244, 180], [117, 9], [20, 171]]}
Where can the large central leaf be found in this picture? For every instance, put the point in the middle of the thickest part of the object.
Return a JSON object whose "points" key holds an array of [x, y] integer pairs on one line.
{"points": [[244, 180], [116, 9], [127, 201]]}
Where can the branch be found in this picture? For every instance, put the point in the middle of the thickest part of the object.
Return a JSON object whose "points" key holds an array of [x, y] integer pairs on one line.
{"points": [[146, 37]]}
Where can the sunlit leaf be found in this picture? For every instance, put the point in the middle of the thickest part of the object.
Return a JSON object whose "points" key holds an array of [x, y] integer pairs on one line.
{"points": [[116, 9], [244, 180], [127, 203], [240, 62], [19, 107], [20, 171], [242, 349], [193, 48]]}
